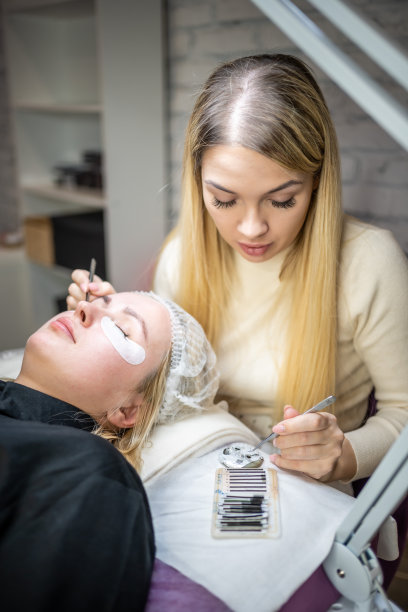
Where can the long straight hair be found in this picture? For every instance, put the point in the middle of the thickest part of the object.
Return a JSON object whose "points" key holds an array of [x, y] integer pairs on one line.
{"points": [[273, 105]]}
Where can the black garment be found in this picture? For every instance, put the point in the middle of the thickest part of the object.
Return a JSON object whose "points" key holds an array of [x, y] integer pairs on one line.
{"points": [[75, 526]]}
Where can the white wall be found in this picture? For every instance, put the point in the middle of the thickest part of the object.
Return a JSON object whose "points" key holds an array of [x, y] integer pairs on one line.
{"points": [[15, 318]]}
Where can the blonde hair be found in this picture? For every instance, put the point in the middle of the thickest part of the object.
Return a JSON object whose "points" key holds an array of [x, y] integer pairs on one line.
{"points": [[130, 442], [273, 105]]}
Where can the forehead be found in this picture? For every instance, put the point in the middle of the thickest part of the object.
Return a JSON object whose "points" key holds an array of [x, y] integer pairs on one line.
{"points": [[154, 314], [141, 300], [237, 161]]}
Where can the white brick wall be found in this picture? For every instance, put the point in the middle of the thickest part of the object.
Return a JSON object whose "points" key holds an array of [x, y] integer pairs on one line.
{"points": [[203, 33]]}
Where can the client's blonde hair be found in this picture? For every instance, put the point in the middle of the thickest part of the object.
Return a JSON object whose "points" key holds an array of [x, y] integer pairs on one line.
{"points": [[185, 383], [130, 442]]}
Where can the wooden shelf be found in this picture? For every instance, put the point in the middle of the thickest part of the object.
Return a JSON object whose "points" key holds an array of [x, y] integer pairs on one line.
{"points": [[57, 108], [87, 76], [85, 197], [51, 8]]}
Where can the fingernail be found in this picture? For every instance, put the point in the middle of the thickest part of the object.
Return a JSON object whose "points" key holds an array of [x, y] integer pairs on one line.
{"points": [[278, 428], [83, 287], [272, 458]]}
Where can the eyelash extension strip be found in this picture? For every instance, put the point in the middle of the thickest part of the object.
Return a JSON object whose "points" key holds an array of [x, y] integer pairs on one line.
{"points": [[245, 504]]}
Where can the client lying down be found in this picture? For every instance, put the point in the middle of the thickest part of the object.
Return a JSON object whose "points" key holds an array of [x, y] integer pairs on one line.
{"points": [[75, 525]]}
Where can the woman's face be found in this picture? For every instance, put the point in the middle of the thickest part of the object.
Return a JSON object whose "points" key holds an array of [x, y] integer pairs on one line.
{"points": [[257, 205], [96, 356]]}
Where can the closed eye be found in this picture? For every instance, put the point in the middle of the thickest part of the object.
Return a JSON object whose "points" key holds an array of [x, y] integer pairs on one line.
{"points": [[220, 204], [107, 299], [286, 204], [120, 329]]}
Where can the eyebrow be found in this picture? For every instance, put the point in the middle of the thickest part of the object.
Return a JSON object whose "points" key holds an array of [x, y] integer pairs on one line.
{"points": [[141, 320], [283, 186]]}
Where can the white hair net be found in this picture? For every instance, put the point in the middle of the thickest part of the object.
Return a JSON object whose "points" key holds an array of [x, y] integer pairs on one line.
{"points": [[193, 379]]}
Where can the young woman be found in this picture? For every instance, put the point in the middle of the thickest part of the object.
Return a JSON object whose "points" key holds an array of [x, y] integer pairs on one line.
{"points": [[129, 360], [298, 301], [75, 526]]}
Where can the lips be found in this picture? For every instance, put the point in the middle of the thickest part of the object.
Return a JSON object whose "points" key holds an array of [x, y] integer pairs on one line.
{"points": [[255, 250], [64, 324]]}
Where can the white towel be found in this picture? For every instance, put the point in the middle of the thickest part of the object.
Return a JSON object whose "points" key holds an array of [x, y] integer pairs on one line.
{"points": [[247, 574], [10, 363], [174, 443]]}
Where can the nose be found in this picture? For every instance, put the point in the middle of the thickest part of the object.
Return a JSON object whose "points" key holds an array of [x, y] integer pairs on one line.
{"points": [[252, 225], [86, 312]]}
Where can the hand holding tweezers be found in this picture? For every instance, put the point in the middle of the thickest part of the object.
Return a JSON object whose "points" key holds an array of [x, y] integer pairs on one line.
{"points": [[320, 406]]}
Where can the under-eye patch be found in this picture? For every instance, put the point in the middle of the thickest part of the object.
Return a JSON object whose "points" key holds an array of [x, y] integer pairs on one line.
{"points": [[129, 350]]}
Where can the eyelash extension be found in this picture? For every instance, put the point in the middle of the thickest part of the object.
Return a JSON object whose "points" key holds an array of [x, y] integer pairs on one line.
{"points": [[220, 204], [286, 204], [120, 329]]}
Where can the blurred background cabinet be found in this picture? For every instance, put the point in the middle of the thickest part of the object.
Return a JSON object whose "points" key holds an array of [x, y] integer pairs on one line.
{"points": [[87, 76]]}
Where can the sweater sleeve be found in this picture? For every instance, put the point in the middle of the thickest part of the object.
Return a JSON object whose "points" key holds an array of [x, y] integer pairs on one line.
{"points": [[375, 286]]}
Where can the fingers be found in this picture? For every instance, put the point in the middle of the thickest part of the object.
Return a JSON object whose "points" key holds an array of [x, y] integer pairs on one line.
{"points": [[289, 412], [80, 276], [98, 288], [318, 469], [78, 289], [310, 447], [304, 422], [317, 461], [71, 302], [75, 295], [311, 444], [313, 432]]}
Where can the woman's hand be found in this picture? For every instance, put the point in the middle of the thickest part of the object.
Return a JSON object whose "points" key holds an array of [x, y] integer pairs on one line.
{"points": [[315, 445], [77, 290]]}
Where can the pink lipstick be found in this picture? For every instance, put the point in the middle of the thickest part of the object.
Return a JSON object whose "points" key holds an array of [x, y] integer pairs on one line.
{"points": [[64, 324], [254, 250]]}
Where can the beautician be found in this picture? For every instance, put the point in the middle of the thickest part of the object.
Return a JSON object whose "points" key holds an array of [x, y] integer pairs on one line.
{"points": [[299, 301]]}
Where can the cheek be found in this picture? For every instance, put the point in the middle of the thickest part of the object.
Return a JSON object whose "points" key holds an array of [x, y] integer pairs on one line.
{"points": [[302, 213], [296, 217], [223, 219], [109, 374], [98, 359]]}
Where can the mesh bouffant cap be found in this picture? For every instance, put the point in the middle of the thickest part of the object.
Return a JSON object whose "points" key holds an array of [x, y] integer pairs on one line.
{"points": [[193, 378]]}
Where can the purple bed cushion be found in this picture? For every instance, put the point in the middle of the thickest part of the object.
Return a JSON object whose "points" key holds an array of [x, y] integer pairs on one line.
{"points": [[172, 591]]}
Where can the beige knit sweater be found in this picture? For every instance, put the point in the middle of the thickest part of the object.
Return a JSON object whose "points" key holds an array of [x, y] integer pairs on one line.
{"points": [[372, 339]]}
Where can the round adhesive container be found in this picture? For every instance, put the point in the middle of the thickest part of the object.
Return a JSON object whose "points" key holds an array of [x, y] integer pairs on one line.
{"points": [[240, 456]]}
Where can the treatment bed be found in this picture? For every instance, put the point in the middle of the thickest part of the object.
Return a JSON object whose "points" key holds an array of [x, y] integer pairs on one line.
{"points": [[289, 571]]}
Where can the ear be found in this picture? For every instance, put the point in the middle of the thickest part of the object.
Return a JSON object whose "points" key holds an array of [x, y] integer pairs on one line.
{"points": [[126, 416]]}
